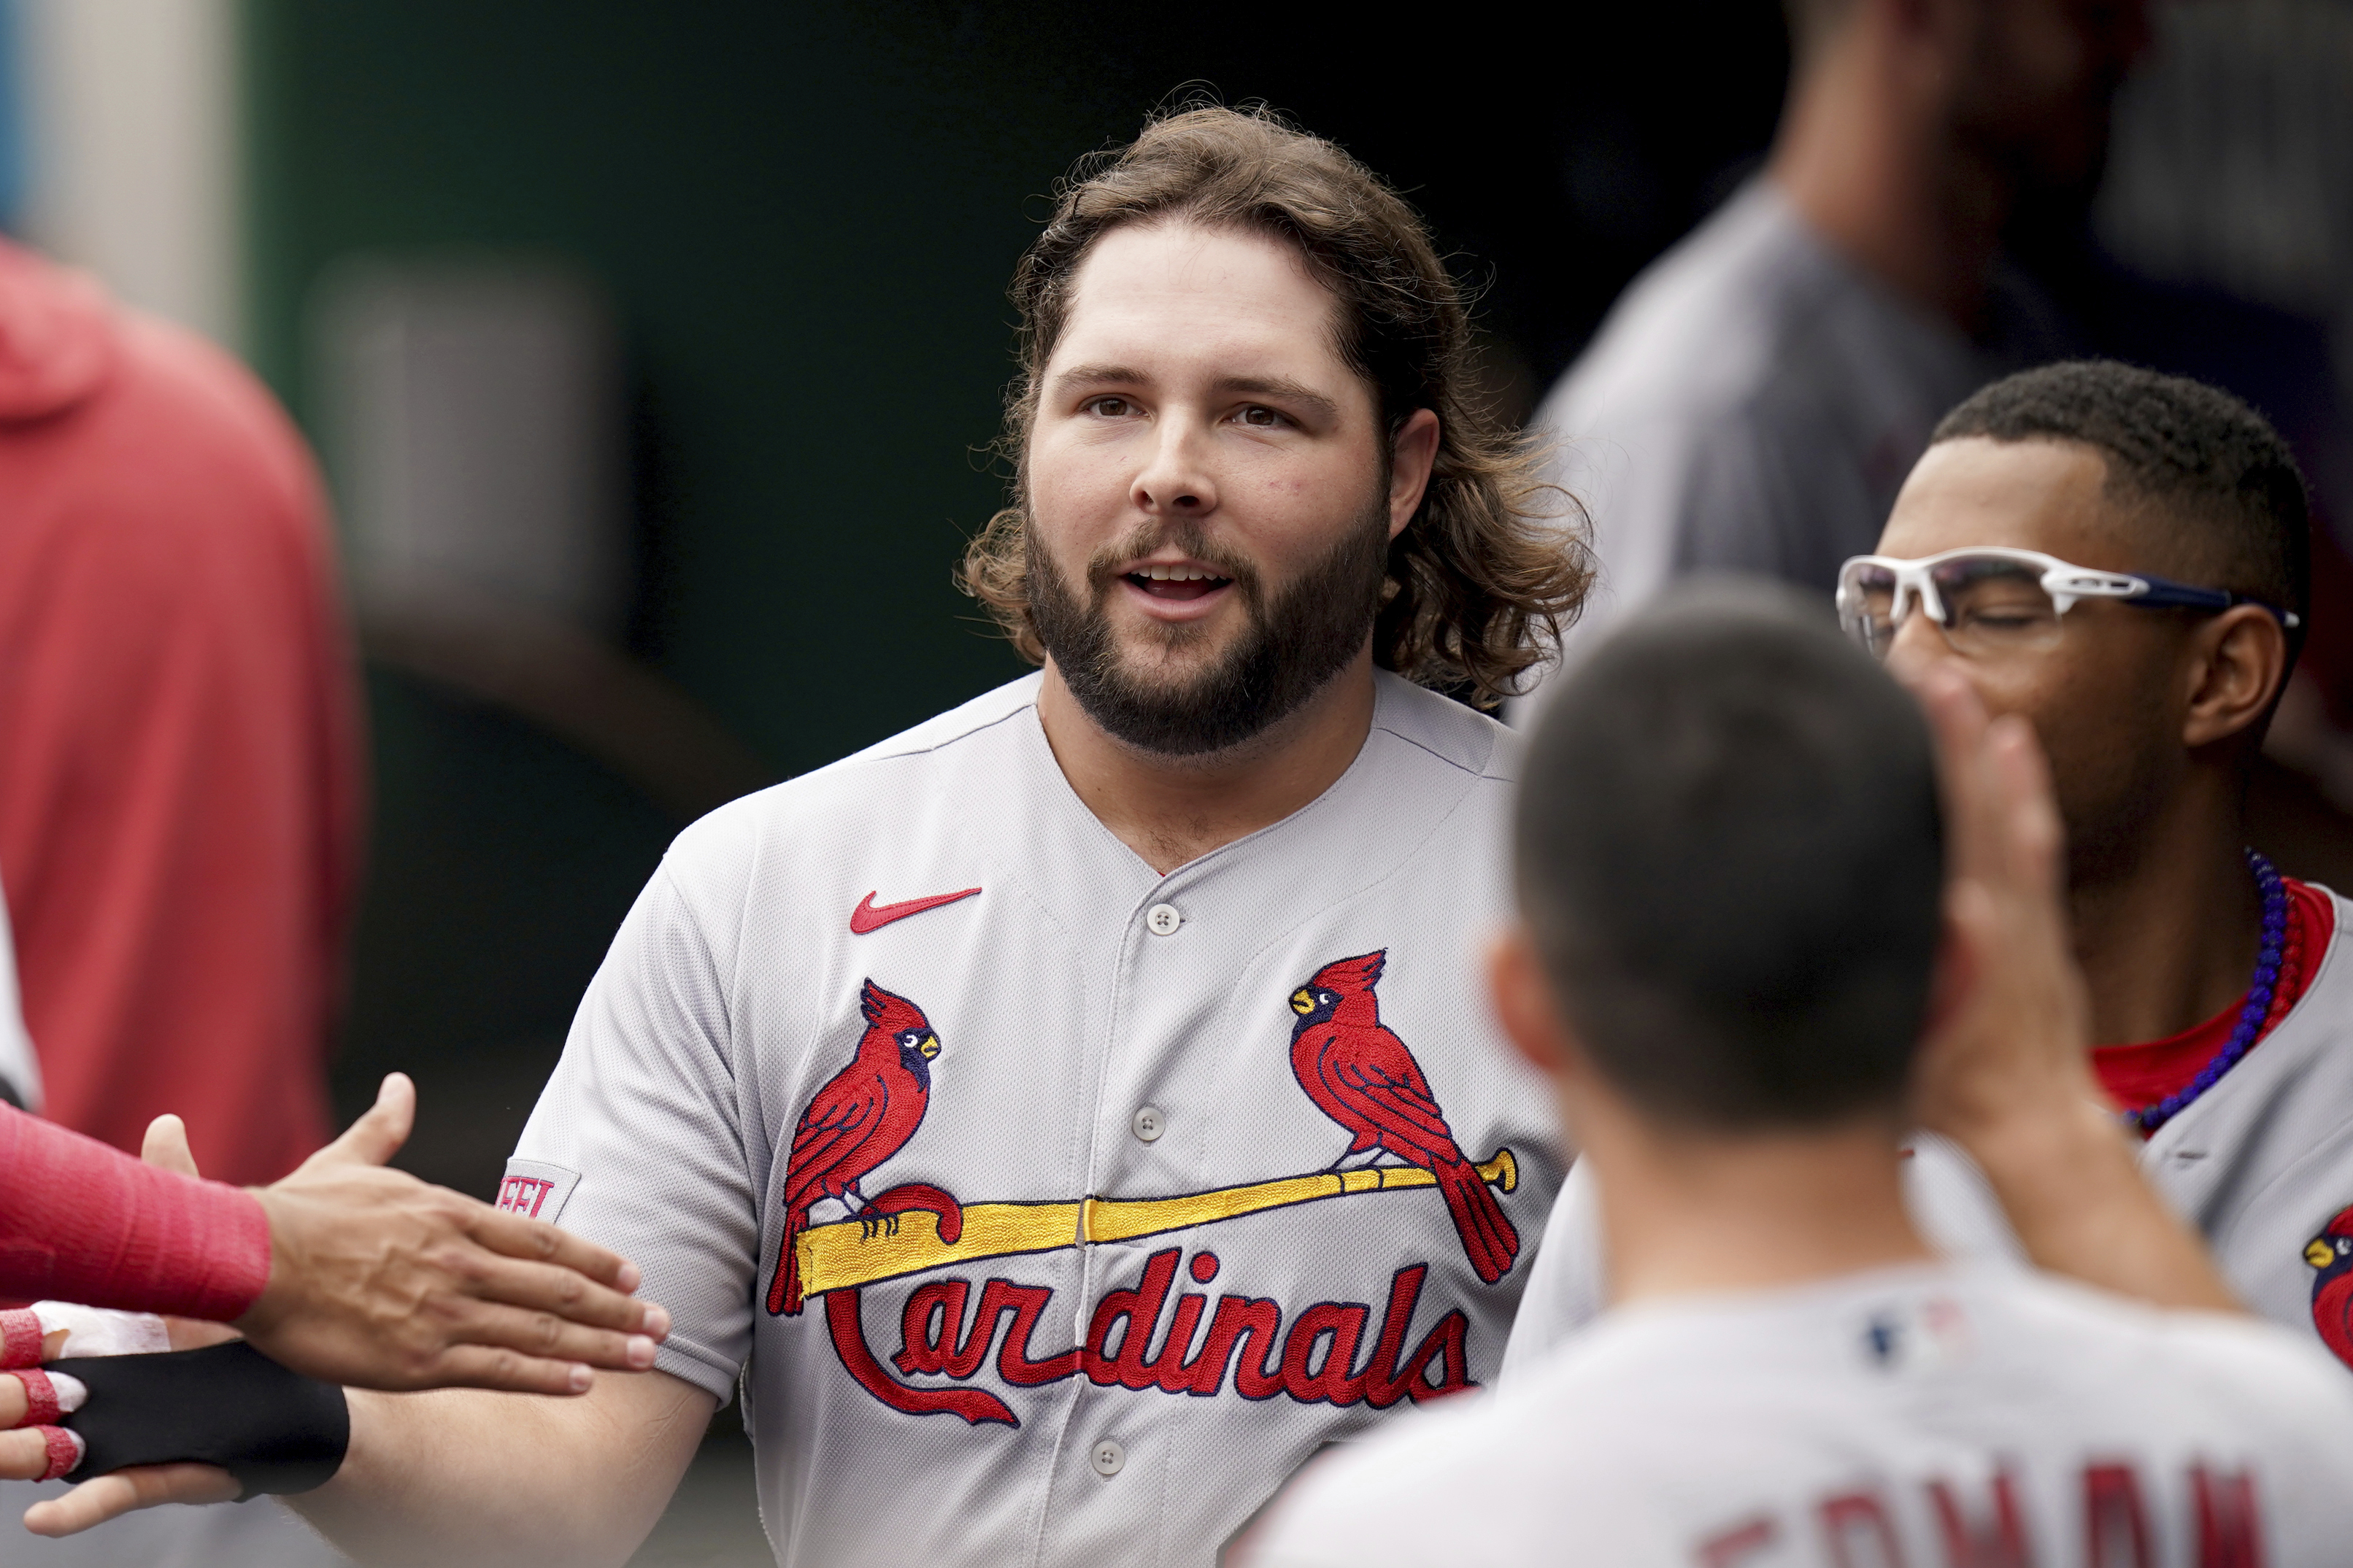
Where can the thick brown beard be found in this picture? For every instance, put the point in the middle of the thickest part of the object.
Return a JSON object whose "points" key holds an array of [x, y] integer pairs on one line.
{"points": [[1289, 649]]}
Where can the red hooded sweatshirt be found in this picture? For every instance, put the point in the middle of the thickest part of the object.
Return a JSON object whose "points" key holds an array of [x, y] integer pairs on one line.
{"points": [[179, 777]]}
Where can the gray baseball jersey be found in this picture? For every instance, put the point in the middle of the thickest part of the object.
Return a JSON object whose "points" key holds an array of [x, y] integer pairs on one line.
{"points": [[1053, 1211], [2261, 1164], [1930, 1416]]}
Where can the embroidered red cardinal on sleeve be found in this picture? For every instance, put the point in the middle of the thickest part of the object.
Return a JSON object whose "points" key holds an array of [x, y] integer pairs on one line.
{"points": [[861, 1118], [1360, 1075], [2331, 1256]]}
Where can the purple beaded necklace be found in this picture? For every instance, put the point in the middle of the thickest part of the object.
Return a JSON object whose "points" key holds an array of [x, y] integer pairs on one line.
{"points": [[2258, 1006]]}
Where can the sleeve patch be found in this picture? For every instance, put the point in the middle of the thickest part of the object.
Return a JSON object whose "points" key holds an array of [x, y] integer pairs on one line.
{"points": [[535, 1189]]}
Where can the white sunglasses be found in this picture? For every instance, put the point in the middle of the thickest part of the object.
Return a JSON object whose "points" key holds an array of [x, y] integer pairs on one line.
{"points": [[1991, 598]]}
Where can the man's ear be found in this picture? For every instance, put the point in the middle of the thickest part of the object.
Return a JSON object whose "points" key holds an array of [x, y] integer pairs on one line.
{"points": [[1525, 1005], [2237, 665], [1413, 452]]}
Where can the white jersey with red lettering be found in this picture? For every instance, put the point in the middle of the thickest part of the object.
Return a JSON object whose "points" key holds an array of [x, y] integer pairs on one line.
{"points": [[1932, 1414], [2262, 1163], [1053, 1211]]}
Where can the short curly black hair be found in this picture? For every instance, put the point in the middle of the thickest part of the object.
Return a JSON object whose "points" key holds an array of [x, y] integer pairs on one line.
{"points": [[2219, 481], [1731, 853]]}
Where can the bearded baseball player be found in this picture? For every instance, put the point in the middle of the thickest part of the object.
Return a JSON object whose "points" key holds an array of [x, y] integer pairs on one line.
{"points": [[2120, 558], [1063, 1119], [1730, 866]]}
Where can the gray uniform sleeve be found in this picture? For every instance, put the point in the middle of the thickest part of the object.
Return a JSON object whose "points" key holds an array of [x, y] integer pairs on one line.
{"points": [[1779, 489], [1734, 512], [637, 1141]]}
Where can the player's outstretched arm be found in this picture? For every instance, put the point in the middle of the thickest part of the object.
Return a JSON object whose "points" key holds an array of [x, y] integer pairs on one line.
{"points": [[458, 1478], [382, 1280], [344, 1271], [2006, 1071]]}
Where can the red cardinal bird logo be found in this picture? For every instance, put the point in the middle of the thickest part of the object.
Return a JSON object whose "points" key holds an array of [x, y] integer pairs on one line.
{"points": [[2331, 1253], [1360, 1075], [859, 1119]]}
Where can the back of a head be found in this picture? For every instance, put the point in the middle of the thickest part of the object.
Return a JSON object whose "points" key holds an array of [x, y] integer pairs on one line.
{"points": [[2208, 483], [1730, 853]]}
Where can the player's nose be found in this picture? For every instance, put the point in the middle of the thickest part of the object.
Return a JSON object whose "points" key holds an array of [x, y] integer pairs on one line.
{"points": [[1176, 480]]}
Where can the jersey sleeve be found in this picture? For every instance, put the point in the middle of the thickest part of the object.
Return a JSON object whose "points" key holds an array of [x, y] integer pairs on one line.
{"points": [[1678, 491], [1763, 492], [637, 1141]]}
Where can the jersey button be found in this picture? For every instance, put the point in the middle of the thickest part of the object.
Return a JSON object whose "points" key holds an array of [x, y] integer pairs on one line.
{"points": [[1149, 1123], [1107, 1458], [1162, 919]]}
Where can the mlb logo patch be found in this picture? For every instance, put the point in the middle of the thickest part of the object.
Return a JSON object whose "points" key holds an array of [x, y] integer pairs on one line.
{"points": [[536, 1190], [1918, 1335]]}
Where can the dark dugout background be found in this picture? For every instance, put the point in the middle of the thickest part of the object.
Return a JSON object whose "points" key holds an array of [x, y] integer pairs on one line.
{"points": [[807, 215]]}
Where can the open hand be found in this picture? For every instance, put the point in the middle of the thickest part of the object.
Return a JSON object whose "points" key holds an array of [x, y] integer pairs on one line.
{"points": [[2007, 1047], [2005, 1070], [381, 1280]]}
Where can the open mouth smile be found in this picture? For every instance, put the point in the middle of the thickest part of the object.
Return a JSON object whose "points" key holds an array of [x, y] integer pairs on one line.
{"points": [[1181, 584]]}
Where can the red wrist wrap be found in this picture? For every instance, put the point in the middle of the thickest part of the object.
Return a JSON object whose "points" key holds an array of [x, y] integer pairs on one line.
{"points": [[64, 1452], [20, 1339], [40, 1397], [87, 1222]]}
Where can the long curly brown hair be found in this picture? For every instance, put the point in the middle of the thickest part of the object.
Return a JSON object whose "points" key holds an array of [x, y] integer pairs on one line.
{"points": [[1495, 564]]}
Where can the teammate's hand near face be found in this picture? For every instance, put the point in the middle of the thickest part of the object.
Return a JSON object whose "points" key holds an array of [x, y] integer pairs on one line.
{"points": [[2005, 1072], [2007, 1050], [382, 1280]]}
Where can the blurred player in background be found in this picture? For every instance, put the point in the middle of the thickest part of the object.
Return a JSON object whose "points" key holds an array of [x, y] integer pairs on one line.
{"points": [[1756, 397], [1730, 864], [179, 767], [179, 764], [2119, 558]]}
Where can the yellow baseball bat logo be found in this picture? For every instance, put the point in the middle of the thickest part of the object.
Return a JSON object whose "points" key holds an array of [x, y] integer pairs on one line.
{"points": [[851, 1253]]}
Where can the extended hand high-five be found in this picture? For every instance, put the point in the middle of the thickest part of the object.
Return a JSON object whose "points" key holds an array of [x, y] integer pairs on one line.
{"points": [[381, 1280], [376, 1280]]}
